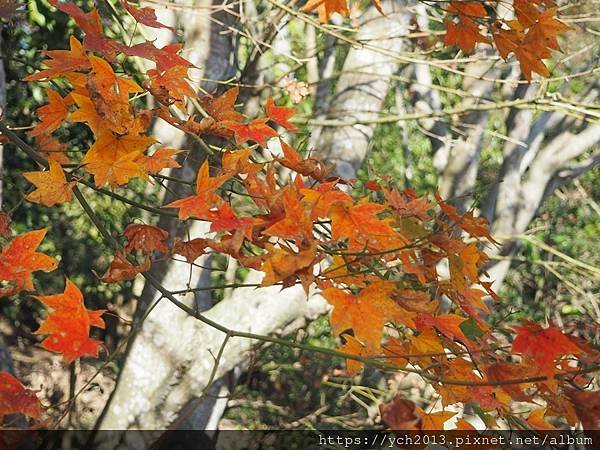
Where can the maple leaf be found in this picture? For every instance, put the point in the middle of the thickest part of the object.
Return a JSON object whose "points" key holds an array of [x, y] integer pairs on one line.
{"points": [[526, 12], [16, 398], [536, 420], [320, 200], [62, 62], [239, 162], [121, 269], [115, 172], [68, 324], [467, 8], [407, 204], [19, 260], [506, 40], [436, 420], [86, 112], [90, 22], [296, 223], [512, 371], [224, 219], [587, 406], [51, 115], [359, 223], [114, 159], [465, 34], [310, 167], [458, 369], [51, 185], [171, 87], [326, 8], [145, 16], [447, 324], [51, 148], [367, 312], [199, 205], [463, 266], [280, 115], [162, 158], [400, 414], [190, 250], [530, 62], [353, 346], [544, 346], [546, 29], [256, 130], [146, 238], [222, 108], [165, 57], [281, 264]]}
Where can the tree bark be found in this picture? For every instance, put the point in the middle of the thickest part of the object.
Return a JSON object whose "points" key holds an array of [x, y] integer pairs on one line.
{"points": [[361, 88]]}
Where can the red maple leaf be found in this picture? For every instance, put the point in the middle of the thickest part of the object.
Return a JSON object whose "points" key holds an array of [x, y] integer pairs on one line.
{"points": [[68, 324]]}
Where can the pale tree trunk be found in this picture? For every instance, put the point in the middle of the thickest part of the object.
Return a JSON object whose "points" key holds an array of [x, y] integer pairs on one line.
{"points": [[459, 169], [361, 88], [557, 162]]}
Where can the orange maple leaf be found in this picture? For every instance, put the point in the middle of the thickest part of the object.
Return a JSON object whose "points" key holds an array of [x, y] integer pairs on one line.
{"points": [[280, 115], [353, 346], [359, 224], [326, 8], [62, 61], [465, 34], [162, 158], [545, 346], [223, 107], [199, 205], [536, 420], [121, 269], [68, 324], [282, 264], [114, 158], [165, 57], [16, 398], [256, 130], [146, 238], [51, 185], [320, 199], [19, 260], [447, 324], [51, 148], [52, 114], [467, 8], [190, 250], [296, 223], [367, 312], [145, 16], [310, 167], [170, 87]]}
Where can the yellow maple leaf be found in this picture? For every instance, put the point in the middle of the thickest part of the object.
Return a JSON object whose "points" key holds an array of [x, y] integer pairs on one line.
{"points": [[112, 158], [51, 185]]}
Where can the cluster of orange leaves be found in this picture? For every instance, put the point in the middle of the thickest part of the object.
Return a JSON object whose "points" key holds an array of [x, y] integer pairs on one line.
{"points": [[530, 33], [375, 257]]}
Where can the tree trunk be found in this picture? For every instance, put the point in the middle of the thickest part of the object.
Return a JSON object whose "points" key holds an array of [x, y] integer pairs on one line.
{"points": [[362, 88]]}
